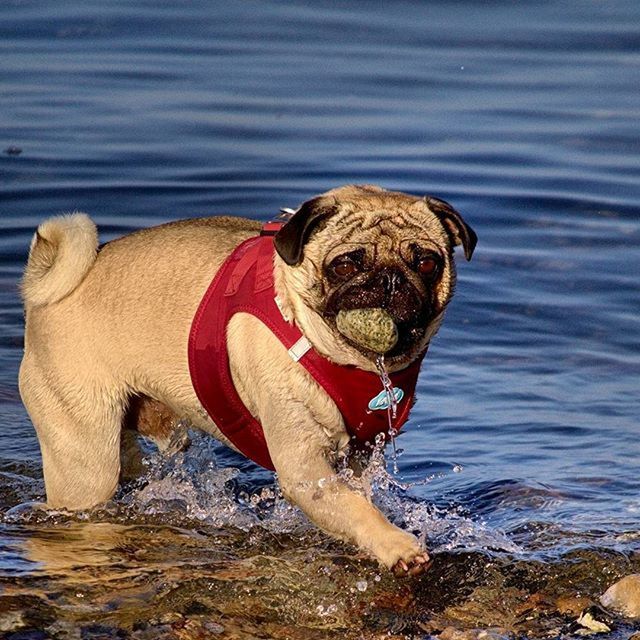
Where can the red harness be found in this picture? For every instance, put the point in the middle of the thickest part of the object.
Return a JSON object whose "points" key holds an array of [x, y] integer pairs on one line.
{"points": [[244, 284]]}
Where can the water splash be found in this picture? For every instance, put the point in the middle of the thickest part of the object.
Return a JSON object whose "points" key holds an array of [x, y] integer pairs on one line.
{"points": [[192, 489], [439, 529], [192, 485]]}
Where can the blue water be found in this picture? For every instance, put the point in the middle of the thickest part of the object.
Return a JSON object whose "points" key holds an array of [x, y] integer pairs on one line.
{"points": [[523, 115]]}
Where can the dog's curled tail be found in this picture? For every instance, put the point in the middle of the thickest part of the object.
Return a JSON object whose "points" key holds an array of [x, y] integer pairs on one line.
{"points": [[62, 251]]}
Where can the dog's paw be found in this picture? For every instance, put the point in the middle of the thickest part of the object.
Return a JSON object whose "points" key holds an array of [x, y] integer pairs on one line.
{"points": [[401, 553], [413, 566]]}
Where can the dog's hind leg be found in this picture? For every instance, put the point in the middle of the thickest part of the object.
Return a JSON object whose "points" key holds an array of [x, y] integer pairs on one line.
{"points": [[79, 432], [157, 422]]}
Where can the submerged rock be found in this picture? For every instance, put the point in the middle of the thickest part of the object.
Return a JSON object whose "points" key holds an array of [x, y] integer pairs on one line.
{"points": [[573, 605], [593, 620], [451, 633], [624, 596]]}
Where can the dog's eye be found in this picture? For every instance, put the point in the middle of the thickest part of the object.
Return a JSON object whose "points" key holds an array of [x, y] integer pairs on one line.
{"points": [[425, 263], [345, 267], [427, 266]]}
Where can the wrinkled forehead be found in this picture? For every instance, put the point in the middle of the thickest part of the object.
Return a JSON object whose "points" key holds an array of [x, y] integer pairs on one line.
{"points": [[390, 225]]}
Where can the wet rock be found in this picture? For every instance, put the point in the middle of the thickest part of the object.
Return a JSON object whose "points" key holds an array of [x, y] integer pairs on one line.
{"points": [[488, 607], [592, 620], [170, 617], [11, 620], [451, 633], [624, 596], [372, 329], [572, 605], [191, 629], [400, 599], [213, 627], [536, 604]]}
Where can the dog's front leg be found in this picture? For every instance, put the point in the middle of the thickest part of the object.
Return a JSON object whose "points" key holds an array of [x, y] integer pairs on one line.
{"points": [[308, 480], [302, 426]]}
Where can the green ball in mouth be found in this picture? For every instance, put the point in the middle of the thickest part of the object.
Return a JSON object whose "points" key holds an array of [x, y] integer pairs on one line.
{"points": [[373, 329]]}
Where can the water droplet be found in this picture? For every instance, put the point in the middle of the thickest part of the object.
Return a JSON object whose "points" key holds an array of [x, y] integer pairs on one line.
{"points": [[323, 611], [387, 385], [361, 585]]}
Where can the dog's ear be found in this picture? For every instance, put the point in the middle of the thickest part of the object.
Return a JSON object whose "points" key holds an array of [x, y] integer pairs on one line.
{"points": [[457, 229], [290, 240]]}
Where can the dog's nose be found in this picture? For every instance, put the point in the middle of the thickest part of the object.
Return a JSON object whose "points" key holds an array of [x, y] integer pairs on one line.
{"points": [[391, 280], [395, 293]]}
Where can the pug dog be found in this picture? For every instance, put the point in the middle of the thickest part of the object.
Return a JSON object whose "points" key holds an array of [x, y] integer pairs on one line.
{"points": [[110, 330]]}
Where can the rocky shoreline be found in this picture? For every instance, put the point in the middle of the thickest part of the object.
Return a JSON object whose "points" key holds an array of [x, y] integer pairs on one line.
{"points": [[102, 580]]}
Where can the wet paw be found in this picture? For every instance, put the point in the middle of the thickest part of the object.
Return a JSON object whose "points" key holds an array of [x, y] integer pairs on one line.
{"points": [[402, 553], [414, 566]]}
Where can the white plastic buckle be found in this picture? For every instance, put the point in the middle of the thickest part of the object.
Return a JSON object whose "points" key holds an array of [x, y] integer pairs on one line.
{"points": [[299, 349]]}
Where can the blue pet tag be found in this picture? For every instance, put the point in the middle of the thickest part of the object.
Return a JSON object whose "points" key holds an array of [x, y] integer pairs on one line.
{"points": [[381, 401]]}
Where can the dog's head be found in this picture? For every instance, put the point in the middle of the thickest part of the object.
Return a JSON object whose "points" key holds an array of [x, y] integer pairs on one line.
{"points": [[361, 247]]}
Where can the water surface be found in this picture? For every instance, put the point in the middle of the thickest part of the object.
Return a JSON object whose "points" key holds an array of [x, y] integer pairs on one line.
{"points": [[520, 465]]}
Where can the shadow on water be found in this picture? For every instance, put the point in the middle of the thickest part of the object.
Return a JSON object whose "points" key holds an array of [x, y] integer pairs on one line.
{"points": [[192, 551]]}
